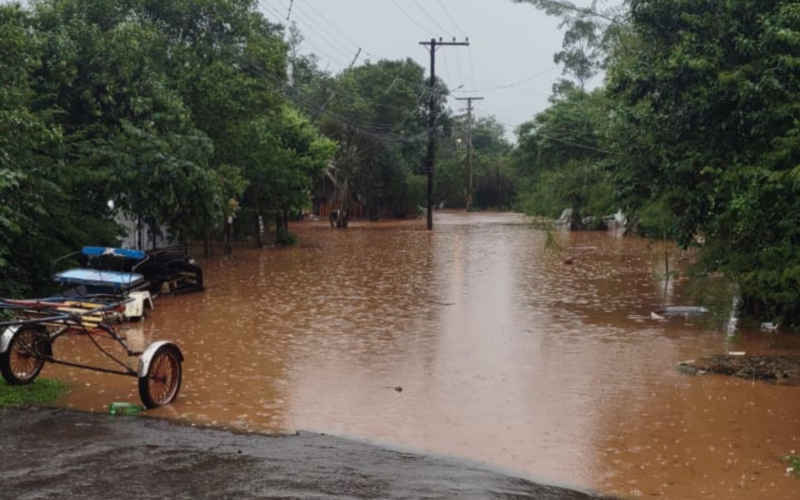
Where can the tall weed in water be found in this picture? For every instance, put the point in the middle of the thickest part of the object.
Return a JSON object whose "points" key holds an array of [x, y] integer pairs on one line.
{"points": [[794, 464], [551, 244]]}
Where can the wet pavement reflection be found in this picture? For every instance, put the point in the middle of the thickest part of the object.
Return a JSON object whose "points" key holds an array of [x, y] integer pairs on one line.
{"points": [[476, 340]]}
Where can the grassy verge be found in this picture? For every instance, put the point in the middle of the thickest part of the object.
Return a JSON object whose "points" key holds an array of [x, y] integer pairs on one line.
{"points": [[40, 392]]}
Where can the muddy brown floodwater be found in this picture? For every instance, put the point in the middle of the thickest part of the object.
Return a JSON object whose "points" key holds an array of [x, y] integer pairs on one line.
{"points": [[504, 353]]}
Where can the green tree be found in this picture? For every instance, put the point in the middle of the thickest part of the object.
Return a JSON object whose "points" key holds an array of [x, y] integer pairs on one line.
{"points": [[282, 154], [42, 214], [150, 104], [23, 134], [133, 136], [581, 54], [590, 31], [493, 181], [710, 92], [228, 64], [561, 158], [377, 114]]}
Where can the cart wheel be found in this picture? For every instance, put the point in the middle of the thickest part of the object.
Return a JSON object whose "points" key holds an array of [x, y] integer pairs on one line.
{"points": [[163, 380], [23, 359]]}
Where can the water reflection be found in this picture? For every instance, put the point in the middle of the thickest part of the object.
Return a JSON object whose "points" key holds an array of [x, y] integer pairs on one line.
{"points": [[503, 354]]}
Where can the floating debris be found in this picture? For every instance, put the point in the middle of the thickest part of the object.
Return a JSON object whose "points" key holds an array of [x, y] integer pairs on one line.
{"points": [[682, 311]]}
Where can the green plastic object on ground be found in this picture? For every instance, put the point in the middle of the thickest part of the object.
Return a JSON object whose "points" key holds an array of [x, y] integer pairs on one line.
{"points": [[124, 409]]}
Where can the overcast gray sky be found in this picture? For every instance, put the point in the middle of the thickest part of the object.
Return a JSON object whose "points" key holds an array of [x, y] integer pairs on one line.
{"points": [[509, 61]]}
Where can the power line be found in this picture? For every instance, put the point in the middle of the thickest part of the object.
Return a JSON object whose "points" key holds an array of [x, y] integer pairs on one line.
{"points": [[514, 84], [460, 76], [307, 41], [331, 40], [386, 136], [432, 19], [336, 28], [423, 28], [471, 66], [324, 19], [450, 17], [279, 14], [575, 144], [555, 139], [378, 134], [381, 134], [328, 35], [463, 33], [446, 64]]}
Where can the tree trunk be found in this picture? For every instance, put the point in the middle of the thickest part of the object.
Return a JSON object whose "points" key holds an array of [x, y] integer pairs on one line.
{"points": [[374, 211], [139, 228], [154, 236], [575, 223], [631, 225], [228, 236], [278, 228], [344, 216]]}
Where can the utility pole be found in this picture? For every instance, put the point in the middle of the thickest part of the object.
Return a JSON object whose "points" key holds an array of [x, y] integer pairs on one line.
{"points": [[469, 145], [432, 45], [289, 14], [355, 59]]}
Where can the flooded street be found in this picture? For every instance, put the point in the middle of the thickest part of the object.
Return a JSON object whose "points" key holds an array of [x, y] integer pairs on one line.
{"points": [[475, 340]]}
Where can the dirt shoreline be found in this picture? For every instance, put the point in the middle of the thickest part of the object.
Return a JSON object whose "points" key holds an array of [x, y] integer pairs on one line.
{"points": [[56, 453], [784, 370]]}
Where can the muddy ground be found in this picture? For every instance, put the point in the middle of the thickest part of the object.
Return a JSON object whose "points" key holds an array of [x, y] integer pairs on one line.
{"points": [[49, 454], [777, 369]]}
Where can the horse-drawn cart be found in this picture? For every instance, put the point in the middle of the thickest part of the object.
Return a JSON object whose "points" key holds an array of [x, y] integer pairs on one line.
{"points": [[28, 338]]}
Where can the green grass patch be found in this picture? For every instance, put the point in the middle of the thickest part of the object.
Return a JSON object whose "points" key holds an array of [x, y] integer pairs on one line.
{"points": [[40, 392], [794, 464]]}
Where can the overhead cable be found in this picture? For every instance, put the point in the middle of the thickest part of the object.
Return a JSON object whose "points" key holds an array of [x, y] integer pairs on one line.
{"points": [[413, 20], [432, 19]]}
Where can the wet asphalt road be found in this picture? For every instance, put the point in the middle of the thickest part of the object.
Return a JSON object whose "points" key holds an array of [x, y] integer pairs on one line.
{"points": [[49, 454]]}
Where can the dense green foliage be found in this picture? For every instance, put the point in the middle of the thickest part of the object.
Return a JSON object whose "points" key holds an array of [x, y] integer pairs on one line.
{"points": [[713, 92], [493, 179], [171, 112], [377, 113], [560, 160], [793, 462], [40, 392], [699, 122]]}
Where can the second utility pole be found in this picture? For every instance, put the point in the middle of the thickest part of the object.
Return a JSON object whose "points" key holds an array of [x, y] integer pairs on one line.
{"points": [[432, 122], [469, 145]]}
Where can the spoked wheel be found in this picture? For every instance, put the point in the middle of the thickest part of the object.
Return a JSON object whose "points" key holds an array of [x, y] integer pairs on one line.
{"points": [[23, 359], [162, 382]]}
